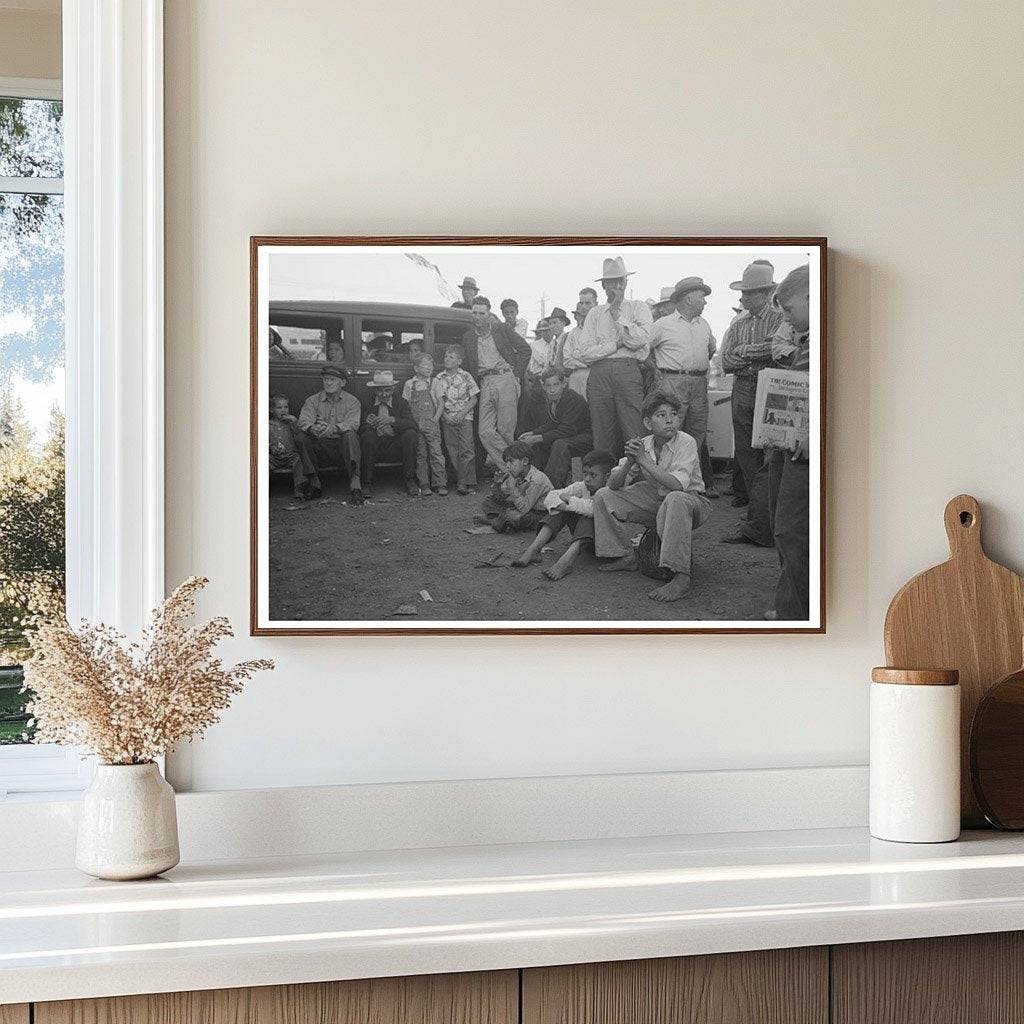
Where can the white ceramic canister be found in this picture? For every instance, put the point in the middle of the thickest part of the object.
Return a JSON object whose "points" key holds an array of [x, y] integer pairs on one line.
{"points": [[915, 755], [127, 825]]}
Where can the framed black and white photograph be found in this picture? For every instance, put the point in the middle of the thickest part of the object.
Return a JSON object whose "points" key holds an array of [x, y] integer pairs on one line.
{"points": [[537, 435]]}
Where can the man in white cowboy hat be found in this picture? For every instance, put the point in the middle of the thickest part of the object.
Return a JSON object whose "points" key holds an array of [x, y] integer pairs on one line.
{"points": [[683, 344], [502, 358], [389, 432], [469, 291], [664, 305], [746, 350], [330, 419], [616, 336]]}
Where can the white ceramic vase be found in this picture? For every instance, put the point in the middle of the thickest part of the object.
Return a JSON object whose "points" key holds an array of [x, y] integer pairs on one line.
{"points": [[127, 825]]}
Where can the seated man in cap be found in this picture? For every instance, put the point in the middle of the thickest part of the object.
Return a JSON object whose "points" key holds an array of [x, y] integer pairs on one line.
{"points": [[389, 432], [683, 345], [616, 337], [330, 419], [558, 429], [746, 350]]}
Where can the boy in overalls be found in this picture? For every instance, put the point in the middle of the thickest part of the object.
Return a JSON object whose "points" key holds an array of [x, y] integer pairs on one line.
{"points": [[426, 400]]}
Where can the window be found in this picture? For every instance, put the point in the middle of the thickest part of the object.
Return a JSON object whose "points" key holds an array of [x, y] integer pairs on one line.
{"points": [[31, 390], [390, 341], [451, 334]]}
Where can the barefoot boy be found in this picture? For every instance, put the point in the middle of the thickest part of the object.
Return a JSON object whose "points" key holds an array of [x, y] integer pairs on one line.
{"points": [[658, 482], [516, 501], [572, 506]]}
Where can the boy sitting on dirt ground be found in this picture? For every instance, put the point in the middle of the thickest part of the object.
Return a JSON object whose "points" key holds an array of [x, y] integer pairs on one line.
{"points": [[658, 482], [571, 506], [516, 500]]}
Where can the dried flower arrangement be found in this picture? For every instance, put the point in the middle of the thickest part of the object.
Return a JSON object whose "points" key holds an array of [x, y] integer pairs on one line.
{"points": [[130, 703]]}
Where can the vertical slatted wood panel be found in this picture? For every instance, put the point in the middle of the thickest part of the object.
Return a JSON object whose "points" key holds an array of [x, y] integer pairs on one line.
{"points": [[14, 1014], [480, 998], [962, 979], [779, 986]]}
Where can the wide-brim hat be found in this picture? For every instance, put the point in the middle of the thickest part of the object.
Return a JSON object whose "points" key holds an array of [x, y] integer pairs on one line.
{"points": [[666, 295], [614, 267], [755, 277], [688, 284], [559, 314], [330, 370], [382, 379], [469, 282]]}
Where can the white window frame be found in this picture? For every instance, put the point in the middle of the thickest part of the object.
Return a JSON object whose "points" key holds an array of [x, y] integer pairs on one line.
{"points": [[114, 333]]}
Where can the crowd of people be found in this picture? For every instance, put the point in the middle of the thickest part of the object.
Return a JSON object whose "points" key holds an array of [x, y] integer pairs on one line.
{"points": [[624, 389]]}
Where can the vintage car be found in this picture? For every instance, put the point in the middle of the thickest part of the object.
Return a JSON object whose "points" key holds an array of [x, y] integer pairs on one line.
{"points": [[362, 337]]}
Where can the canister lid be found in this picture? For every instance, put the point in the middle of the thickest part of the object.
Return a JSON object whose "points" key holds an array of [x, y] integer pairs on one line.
{"points": [[916, 676]]}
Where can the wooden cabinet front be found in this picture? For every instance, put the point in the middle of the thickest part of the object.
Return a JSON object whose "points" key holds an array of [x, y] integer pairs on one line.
{"points": [[480, 998], [961, 979], [777, 986], [14, 1014]]}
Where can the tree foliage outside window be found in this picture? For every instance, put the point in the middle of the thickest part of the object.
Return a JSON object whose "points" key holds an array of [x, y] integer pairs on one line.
{"points": [[32, 553]]}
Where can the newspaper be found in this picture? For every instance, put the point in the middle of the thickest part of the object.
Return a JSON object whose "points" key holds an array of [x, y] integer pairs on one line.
{"points": [[781, 409]]}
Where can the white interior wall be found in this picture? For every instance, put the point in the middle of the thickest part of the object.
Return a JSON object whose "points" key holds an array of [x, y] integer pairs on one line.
{"points": [[894, 129]]}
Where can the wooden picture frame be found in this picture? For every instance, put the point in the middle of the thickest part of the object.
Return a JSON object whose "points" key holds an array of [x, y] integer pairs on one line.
{"points": [[273, 251]]}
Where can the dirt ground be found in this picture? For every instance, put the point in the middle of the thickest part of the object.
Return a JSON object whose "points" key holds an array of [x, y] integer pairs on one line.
{"points": [[330, 560]]}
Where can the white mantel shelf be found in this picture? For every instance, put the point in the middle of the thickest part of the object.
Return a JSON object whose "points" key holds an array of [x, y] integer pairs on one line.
{"points": [[303, 919]]}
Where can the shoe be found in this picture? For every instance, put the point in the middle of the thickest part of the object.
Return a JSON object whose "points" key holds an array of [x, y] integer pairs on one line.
{"points": [[740, 538], [482, 520], [426, 492], [739, 502], [462, 490], [710, 492], [411, 489], [313, 492], [356, 496], [367, 491], [442, 492], [771, 615]]}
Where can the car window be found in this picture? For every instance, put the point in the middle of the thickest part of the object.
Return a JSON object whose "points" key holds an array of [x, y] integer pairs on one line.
{"points": [[449, 334], [306, 344], [388, 341]]}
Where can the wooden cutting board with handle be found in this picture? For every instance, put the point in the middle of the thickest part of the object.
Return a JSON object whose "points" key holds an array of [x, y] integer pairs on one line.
{"points": [[967, 614]]}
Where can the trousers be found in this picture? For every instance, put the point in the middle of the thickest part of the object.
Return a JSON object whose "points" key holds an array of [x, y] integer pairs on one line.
{"points": [[752, 463], [792, 538], [692, 393], [458, 439], [676, 516], [342, 450], [615, 393], [499, 396], [388, 447], [556, 457]]}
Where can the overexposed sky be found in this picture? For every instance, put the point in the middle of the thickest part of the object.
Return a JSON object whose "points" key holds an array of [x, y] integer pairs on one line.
{"points": [[527, 274]]}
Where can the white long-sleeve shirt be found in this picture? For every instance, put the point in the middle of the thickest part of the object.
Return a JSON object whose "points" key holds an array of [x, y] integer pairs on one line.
{"points": [[576, 497], [603, 339]]}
